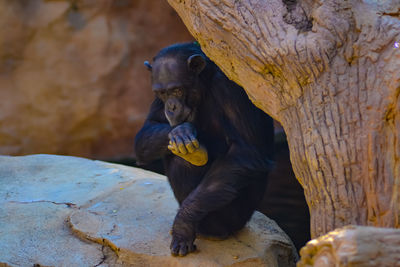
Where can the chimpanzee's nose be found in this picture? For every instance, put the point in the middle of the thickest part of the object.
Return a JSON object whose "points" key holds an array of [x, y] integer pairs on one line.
{"points": [[171, 106]]}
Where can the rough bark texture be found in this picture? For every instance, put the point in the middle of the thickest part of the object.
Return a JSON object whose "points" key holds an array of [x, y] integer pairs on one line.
{"points": [[329, 71], [353, 246]]}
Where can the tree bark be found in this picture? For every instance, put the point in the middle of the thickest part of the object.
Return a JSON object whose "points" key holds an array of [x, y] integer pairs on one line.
{"points": [[356, 246], [329, 72]]}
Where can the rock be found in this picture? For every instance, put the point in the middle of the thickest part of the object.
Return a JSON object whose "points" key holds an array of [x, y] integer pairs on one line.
{"points": [[68, 211], [37, 194], [135, 222], [356, 246], [73, 76]]}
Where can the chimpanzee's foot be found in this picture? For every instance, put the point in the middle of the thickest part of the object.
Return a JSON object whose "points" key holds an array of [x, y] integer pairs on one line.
{"points": [[183, 236], [181, 246]]}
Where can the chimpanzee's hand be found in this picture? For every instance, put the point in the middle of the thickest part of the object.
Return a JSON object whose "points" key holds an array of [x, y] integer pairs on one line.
{"points": [[183, 236], [183, 138], [184, 144]]}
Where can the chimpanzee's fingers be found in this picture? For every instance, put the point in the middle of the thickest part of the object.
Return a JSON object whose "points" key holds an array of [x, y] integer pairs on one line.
{"points": [[188, 143], [174, 248], [171, 147], [193, 139], [181, 145], [195, 143], [190, 147], [171, 139], [173, 142], [184, 249]]}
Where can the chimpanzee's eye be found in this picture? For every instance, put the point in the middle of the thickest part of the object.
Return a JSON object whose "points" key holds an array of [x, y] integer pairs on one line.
{"points": [[162, 94], [178, 92]]}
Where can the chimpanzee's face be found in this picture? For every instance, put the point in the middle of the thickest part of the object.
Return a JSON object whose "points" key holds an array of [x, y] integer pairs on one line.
{"points": [[173, 83]]}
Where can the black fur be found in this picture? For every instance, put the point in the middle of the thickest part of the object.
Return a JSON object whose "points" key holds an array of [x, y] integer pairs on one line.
{"points": [[216, 199]]}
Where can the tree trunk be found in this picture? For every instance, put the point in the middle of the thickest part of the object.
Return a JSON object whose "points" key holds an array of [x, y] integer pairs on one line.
{"points": [[329, 72]]}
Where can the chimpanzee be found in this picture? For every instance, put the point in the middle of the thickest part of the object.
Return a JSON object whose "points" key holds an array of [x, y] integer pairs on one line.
{"points": [[215, 144]]}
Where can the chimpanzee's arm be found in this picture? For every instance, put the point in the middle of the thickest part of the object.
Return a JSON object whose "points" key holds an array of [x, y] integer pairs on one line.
{"points": [[151, 142]]}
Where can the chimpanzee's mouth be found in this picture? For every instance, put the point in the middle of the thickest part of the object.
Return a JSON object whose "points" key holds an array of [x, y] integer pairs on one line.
{"points": [[188, 115]]}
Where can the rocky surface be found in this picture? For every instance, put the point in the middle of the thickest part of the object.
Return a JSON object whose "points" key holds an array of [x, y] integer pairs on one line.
{"points": [[71, 73], [68, 211], [356, 246]]}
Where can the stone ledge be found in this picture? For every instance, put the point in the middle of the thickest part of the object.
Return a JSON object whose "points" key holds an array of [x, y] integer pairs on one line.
{"points": [[121, 216]]}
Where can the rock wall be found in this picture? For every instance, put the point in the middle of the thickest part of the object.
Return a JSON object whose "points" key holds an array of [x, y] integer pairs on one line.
{"points": [[72, 79]]}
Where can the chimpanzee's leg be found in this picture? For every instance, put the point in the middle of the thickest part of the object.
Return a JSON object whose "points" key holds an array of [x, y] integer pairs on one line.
{"points": [[226, 185], [183, 177], [226, 221]]}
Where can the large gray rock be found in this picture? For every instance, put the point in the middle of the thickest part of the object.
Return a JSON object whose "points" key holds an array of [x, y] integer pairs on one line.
{"points": [[67, 211]]}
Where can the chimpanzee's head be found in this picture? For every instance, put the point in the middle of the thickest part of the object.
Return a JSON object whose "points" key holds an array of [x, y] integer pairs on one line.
{"points": [[175, 80]]}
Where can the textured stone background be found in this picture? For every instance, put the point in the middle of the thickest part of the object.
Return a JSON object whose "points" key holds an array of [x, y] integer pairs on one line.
{"points": [[72, 79]]}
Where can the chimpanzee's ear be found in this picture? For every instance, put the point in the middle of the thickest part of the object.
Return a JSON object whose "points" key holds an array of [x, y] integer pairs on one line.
{"points": [[148, 65], [196, 63]]}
